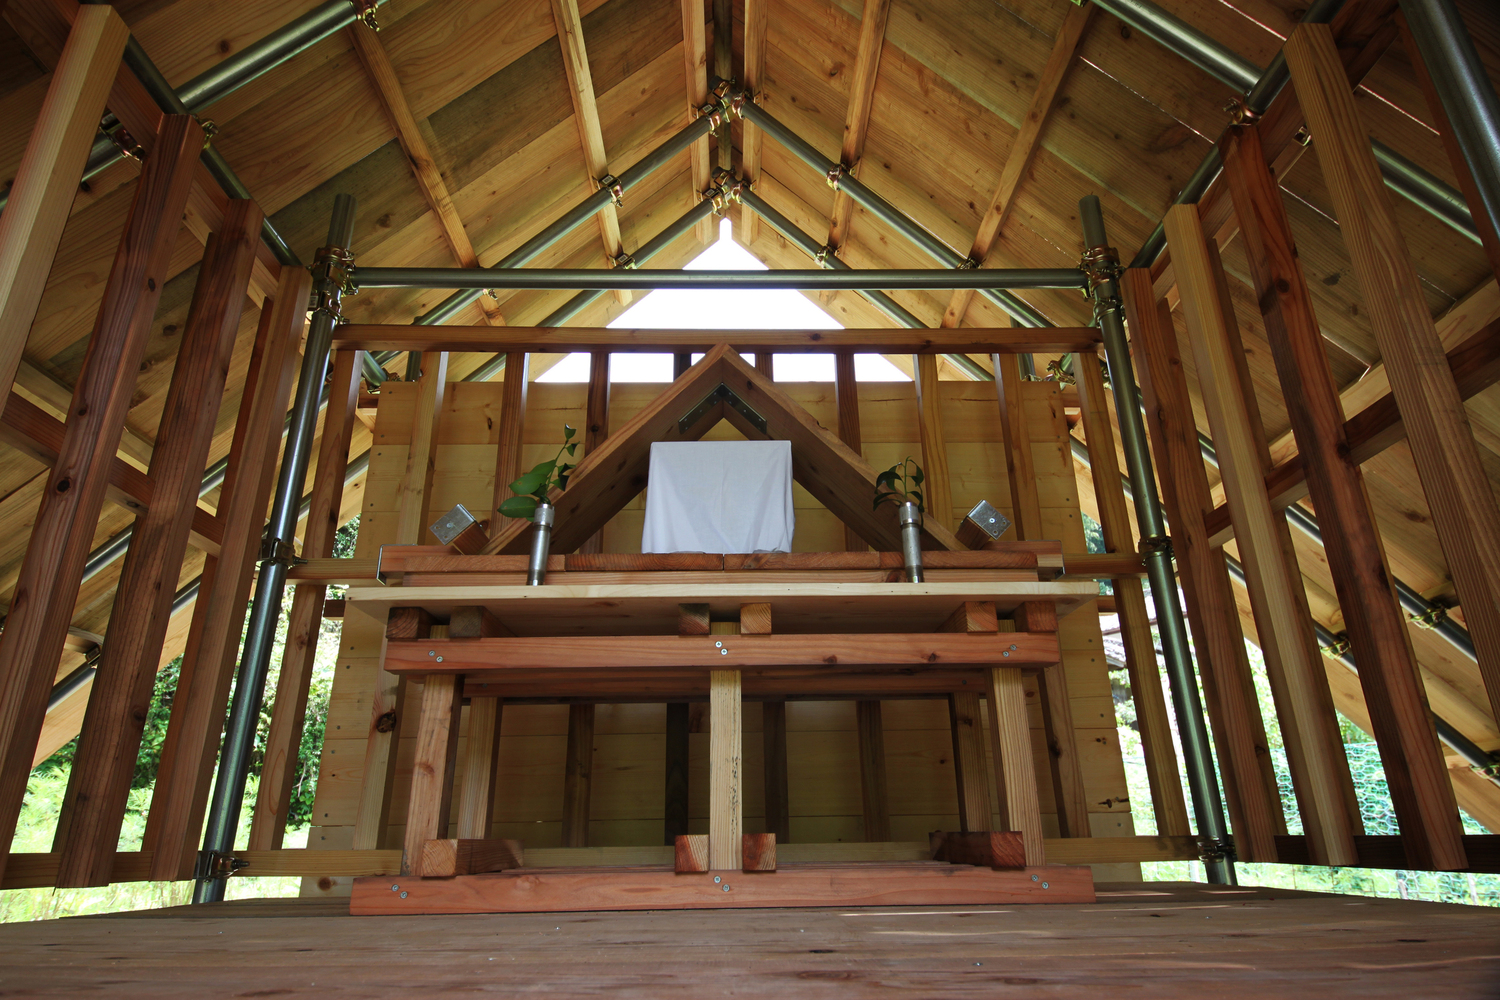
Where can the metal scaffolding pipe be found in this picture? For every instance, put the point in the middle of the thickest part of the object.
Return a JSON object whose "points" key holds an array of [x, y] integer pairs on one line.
{"points": [[277, 554], [1197, 752], [1261, 87], [1019, 310], [1465, 92], [594, 279], [1334, 646]]}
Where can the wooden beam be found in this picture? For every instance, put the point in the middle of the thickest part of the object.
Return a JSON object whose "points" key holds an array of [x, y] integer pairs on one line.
{"points": [[551, 340], [104, 766], [596, 427], [1459, 494], [872, 780], [1020, 466], [586, 115], [279, 772], [695, 75], [1130, 604], [512, 423], [675, 784], [778, 812], [752, 80], [62, 534], [846, 401], [476, 800], [857, 115], [470, 856], [1229, 691], [1376, 625], [1015, 777], [47, 180], [726, 797], [414, 492], [578, 773], [1304, 706], [182, 782], [1022, 150], [382, 74], [432, 769], [937, 487], [966, 722]]}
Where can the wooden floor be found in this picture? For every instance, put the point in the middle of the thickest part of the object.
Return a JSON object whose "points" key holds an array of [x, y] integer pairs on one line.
{"points": [[1152, 940]]}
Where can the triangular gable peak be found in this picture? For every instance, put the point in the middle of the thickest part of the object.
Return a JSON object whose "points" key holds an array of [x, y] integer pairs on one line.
{"points": [[721, 386]]}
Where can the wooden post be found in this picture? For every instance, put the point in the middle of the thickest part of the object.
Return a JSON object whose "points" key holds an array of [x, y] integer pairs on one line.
{"points": [[45, 594], [872, 783], [1304, 706], [432, 770], [1130, 604], [1459, 494], [391, 690], [966, 722], [1020, 466], [778, 802], [765, 363], [578, 771], [596, 425], [675, 785], [1377, 629], [191, 746], [278, 774], [1229, 691], [99, 783], [47, 180], [511, 423], [937, 491], [476, 800], [1015, 780], [846, 400], [726, 804]]}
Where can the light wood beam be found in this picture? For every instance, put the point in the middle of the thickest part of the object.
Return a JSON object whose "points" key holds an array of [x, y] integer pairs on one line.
{"points": [[476, 800], [1023, 149], [596, 425], [757, 24], [47, 181], [726, 805], [857, 117], [937, 487], [432, 770], [695, 71], [578, 773], [1459, 494], [511, 422], [382, 73]]}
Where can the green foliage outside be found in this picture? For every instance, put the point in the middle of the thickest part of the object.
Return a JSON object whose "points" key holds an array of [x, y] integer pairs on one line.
{"points": [[49, 781]]}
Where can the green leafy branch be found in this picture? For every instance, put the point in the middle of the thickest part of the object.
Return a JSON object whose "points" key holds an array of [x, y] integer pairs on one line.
{"points": [[899, 483], [535, 487]]}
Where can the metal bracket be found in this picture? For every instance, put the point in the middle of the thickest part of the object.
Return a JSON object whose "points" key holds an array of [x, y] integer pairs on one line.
{"points": [[210, 130], [1153, 544], [722, 394], [714, 113], [1241, 113], [1303, 137], [611, 183], [217, 865], [1055, 368], [1338, 648], [364, 11], [1430, 619], [121, 137], [333, 278], [835, 173], [824, 252], [1211, 849], [279, 550], [625, 261]]}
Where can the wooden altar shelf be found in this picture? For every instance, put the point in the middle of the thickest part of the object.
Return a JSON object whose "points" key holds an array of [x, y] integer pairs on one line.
{"points": [[913, 883]]}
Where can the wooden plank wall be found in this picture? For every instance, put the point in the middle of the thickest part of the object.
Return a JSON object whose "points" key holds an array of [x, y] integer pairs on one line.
{"points": [[629, 740]]}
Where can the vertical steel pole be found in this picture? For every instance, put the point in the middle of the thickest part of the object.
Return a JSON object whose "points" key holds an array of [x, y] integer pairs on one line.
{"points": [[277, 552], [1104, 267]]}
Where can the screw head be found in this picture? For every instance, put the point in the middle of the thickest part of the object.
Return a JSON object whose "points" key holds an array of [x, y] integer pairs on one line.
{"points": [[718, 878], [1036, 878], [726, 888], [719, 645], [723, 652], [440, 659], [1005, 653], [395, 887], [1013, 646], [432, 652], [1044, 885], [403, 895]]}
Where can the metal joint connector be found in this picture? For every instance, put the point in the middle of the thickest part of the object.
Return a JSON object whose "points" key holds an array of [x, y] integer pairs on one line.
{"points": [[1337, 649], [279, 550], [824, 252], [217, 865], [1212, 849], [736, 107], [835, 174], [1099, 265], [1303, 137], [364, 11], [333, 278], [210, 130], [121, 137], [1434, 616], [1153, 544], [1241, 113], [611, 183], [625, 261], [1059, 374], [714, 113], [968, 264]]}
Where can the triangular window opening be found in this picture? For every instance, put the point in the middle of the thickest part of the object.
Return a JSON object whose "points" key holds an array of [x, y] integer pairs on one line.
{"points": [[719, 309]]}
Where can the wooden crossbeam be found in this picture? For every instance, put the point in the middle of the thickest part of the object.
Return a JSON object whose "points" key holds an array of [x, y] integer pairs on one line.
{"points": [[752, 79], [695, 73], [382, 74], [857, 117], [99, 782], [1022, 151]]}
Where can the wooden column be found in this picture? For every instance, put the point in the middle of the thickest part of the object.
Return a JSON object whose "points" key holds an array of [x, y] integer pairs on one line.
{"points": [[432, 768], [695, 68], [1130, 605], [1459, 494], [872, 783], [1304, 706], [675, 790], [846, 400], [937, 491], [578, 772], [966, 720], [1015, 780], [778, 802], [596, 425], [192, 742], [278, 774], [726, 802], [42, 606], [476, 799], [1377, 629], [392, 690], [512, 423], [1020, 467], [1229, 691], [47, 180], [99, 783]]}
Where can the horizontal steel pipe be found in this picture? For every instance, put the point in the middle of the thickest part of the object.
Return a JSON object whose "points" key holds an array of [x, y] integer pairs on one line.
{"points": [[645, 280]]}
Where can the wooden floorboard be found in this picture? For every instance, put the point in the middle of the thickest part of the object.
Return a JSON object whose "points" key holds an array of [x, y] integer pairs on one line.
{"points": [[1152, 939]]}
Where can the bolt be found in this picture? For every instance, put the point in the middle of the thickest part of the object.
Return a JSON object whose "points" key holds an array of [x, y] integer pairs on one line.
{"points": [[403, 895], [992, 521]]}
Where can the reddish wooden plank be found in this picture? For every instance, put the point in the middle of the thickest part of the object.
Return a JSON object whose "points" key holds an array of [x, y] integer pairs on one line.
{"points": [[759, 852], [872, 884], [42, 606], [469, 856], [987, 849], [578, 774], [432, 772], [690, 853], [99, 783]]}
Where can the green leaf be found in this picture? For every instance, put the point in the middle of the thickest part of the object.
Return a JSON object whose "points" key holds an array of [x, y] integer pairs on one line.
{"points": [[916, 476], [572, 449], [534, 480], [568, 432], [887, 479], [521, 507]]}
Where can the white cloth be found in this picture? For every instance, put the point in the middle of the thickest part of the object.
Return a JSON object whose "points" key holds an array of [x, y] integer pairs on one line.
{"points": [[719, 496]]}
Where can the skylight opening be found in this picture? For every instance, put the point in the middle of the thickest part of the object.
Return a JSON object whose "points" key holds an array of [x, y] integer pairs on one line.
{"points": [[724, 309]]}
